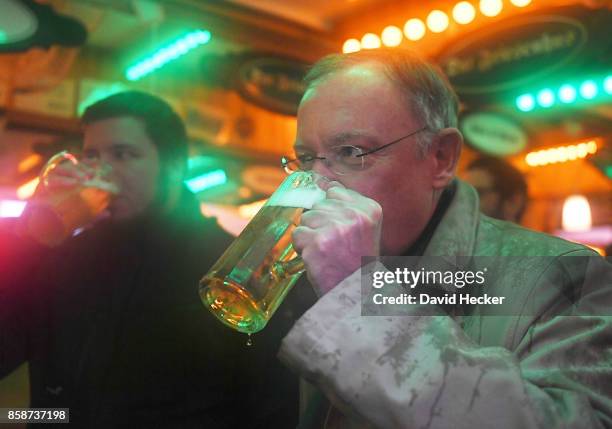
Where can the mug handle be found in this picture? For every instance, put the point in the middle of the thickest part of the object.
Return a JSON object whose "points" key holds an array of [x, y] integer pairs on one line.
{"points": [[283, 269], [56, 160]]}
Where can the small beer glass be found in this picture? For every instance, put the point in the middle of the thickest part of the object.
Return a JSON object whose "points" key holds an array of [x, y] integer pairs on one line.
{"points": [[67, 202], [250, 280]]}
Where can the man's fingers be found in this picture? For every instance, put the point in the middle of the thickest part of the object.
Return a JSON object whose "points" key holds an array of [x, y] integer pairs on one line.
{"points": [[301, 237], [315, 218]]}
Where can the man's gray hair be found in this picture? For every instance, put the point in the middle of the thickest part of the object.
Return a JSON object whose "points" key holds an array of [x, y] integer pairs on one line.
{"points": [[426, 90]]}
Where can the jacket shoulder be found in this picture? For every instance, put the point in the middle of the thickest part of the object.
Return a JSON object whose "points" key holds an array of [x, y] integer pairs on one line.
{"points": [[497, 237]]}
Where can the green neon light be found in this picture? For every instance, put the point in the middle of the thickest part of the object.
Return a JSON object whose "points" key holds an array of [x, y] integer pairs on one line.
{"points": [[608, 84], [168, 53], [567, 93], [206, 181], [589, 90], [546, 98], [525, 102], [3, 37]]}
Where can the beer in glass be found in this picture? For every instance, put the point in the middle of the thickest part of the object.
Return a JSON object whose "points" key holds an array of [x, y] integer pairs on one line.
{"points": [[250, 280], [59, 210]]}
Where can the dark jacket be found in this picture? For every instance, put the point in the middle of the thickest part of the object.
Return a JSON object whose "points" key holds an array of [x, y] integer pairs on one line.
{"points": [[114, 329]]}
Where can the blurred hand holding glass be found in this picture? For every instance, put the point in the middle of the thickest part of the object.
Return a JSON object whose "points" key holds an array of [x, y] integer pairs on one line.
{"points": [[70, 195], [250, 280]]}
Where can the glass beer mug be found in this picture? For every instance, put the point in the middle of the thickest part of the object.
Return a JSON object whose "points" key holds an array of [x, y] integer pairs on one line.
{"points": [[62, 209], [250, 280]]}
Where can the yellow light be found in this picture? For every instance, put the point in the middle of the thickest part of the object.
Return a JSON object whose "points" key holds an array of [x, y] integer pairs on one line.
{"points": [[351, 45], [26, 190], [561, 153], [414, 29], [531, 159], [391, 36], [29, 162], [490, 7], [464, 12], [520, 3], [591, 147], [370, 41], [576, 214], [437, 21]]}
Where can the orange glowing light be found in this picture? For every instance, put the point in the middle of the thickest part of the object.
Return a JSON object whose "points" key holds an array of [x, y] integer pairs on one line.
{"points": [[351, 45], [464, 12], [28, 162], [391, 36], [491, 7], [414, 29], [437, 21], [520, 3], [561, 154], [370, 41]]}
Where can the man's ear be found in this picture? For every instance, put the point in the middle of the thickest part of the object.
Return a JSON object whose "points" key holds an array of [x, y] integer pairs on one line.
{"points": [[445, 153]]}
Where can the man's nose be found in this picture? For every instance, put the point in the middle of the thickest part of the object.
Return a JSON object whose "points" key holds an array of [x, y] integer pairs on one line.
{"points": [[320, 166]]}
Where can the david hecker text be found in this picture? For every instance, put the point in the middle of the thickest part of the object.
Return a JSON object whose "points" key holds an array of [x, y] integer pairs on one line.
{"points": [[447, 299]]}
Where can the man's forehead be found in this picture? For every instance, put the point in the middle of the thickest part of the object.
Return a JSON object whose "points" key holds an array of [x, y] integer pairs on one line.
{"points": [[125, 130], [367, 75]]}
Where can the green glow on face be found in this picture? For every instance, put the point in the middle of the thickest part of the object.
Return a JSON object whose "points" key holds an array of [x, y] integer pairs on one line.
{"points": [[588, 89], [525, 102], [206, 181], [546, 98], [167, 54], [567, 94]]}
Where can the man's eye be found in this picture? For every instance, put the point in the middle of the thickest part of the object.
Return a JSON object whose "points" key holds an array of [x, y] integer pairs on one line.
{"points": [[348, 152], [123, 154], [305, 157], [90, 155]]}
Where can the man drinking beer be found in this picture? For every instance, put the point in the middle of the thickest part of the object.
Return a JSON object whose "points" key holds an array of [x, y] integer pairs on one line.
{"points": [[111, 322], [382, 125]]}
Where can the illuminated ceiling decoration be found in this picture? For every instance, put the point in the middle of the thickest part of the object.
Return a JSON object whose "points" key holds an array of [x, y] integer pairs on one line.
{"points": [[587, 91], [206, 181], [559, 154], [26, 23], [167, 54], [436, 21]]}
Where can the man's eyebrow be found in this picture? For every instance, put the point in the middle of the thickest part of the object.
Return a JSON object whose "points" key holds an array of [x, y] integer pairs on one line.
{"points": [[348, 136], [340, 139], [123, 146]]}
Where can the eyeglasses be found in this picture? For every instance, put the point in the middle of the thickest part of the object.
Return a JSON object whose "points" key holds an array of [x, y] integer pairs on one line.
{"points": [[341, 160]]}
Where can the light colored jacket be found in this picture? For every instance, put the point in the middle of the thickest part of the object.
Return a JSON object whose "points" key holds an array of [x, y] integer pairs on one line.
{"points": [[546, 365]]}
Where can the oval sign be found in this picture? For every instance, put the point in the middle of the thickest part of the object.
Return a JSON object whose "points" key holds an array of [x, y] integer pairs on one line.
{"points": [[273, 83], [493, 133], [513, 53]]}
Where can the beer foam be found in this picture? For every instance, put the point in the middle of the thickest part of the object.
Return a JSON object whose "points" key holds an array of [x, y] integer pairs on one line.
{"points": [[101, 184], [304, 198]]}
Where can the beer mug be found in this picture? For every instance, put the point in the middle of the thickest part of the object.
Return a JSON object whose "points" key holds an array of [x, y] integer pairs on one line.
{"points": [[250, 280], [60, 209]]}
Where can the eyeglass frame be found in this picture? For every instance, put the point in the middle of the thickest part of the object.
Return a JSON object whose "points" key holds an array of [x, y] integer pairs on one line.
{"points": [[285, 161]]}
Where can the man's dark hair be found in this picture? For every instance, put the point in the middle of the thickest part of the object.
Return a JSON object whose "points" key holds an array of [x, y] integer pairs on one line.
{"points": [[163, 126], [507, 180]]}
